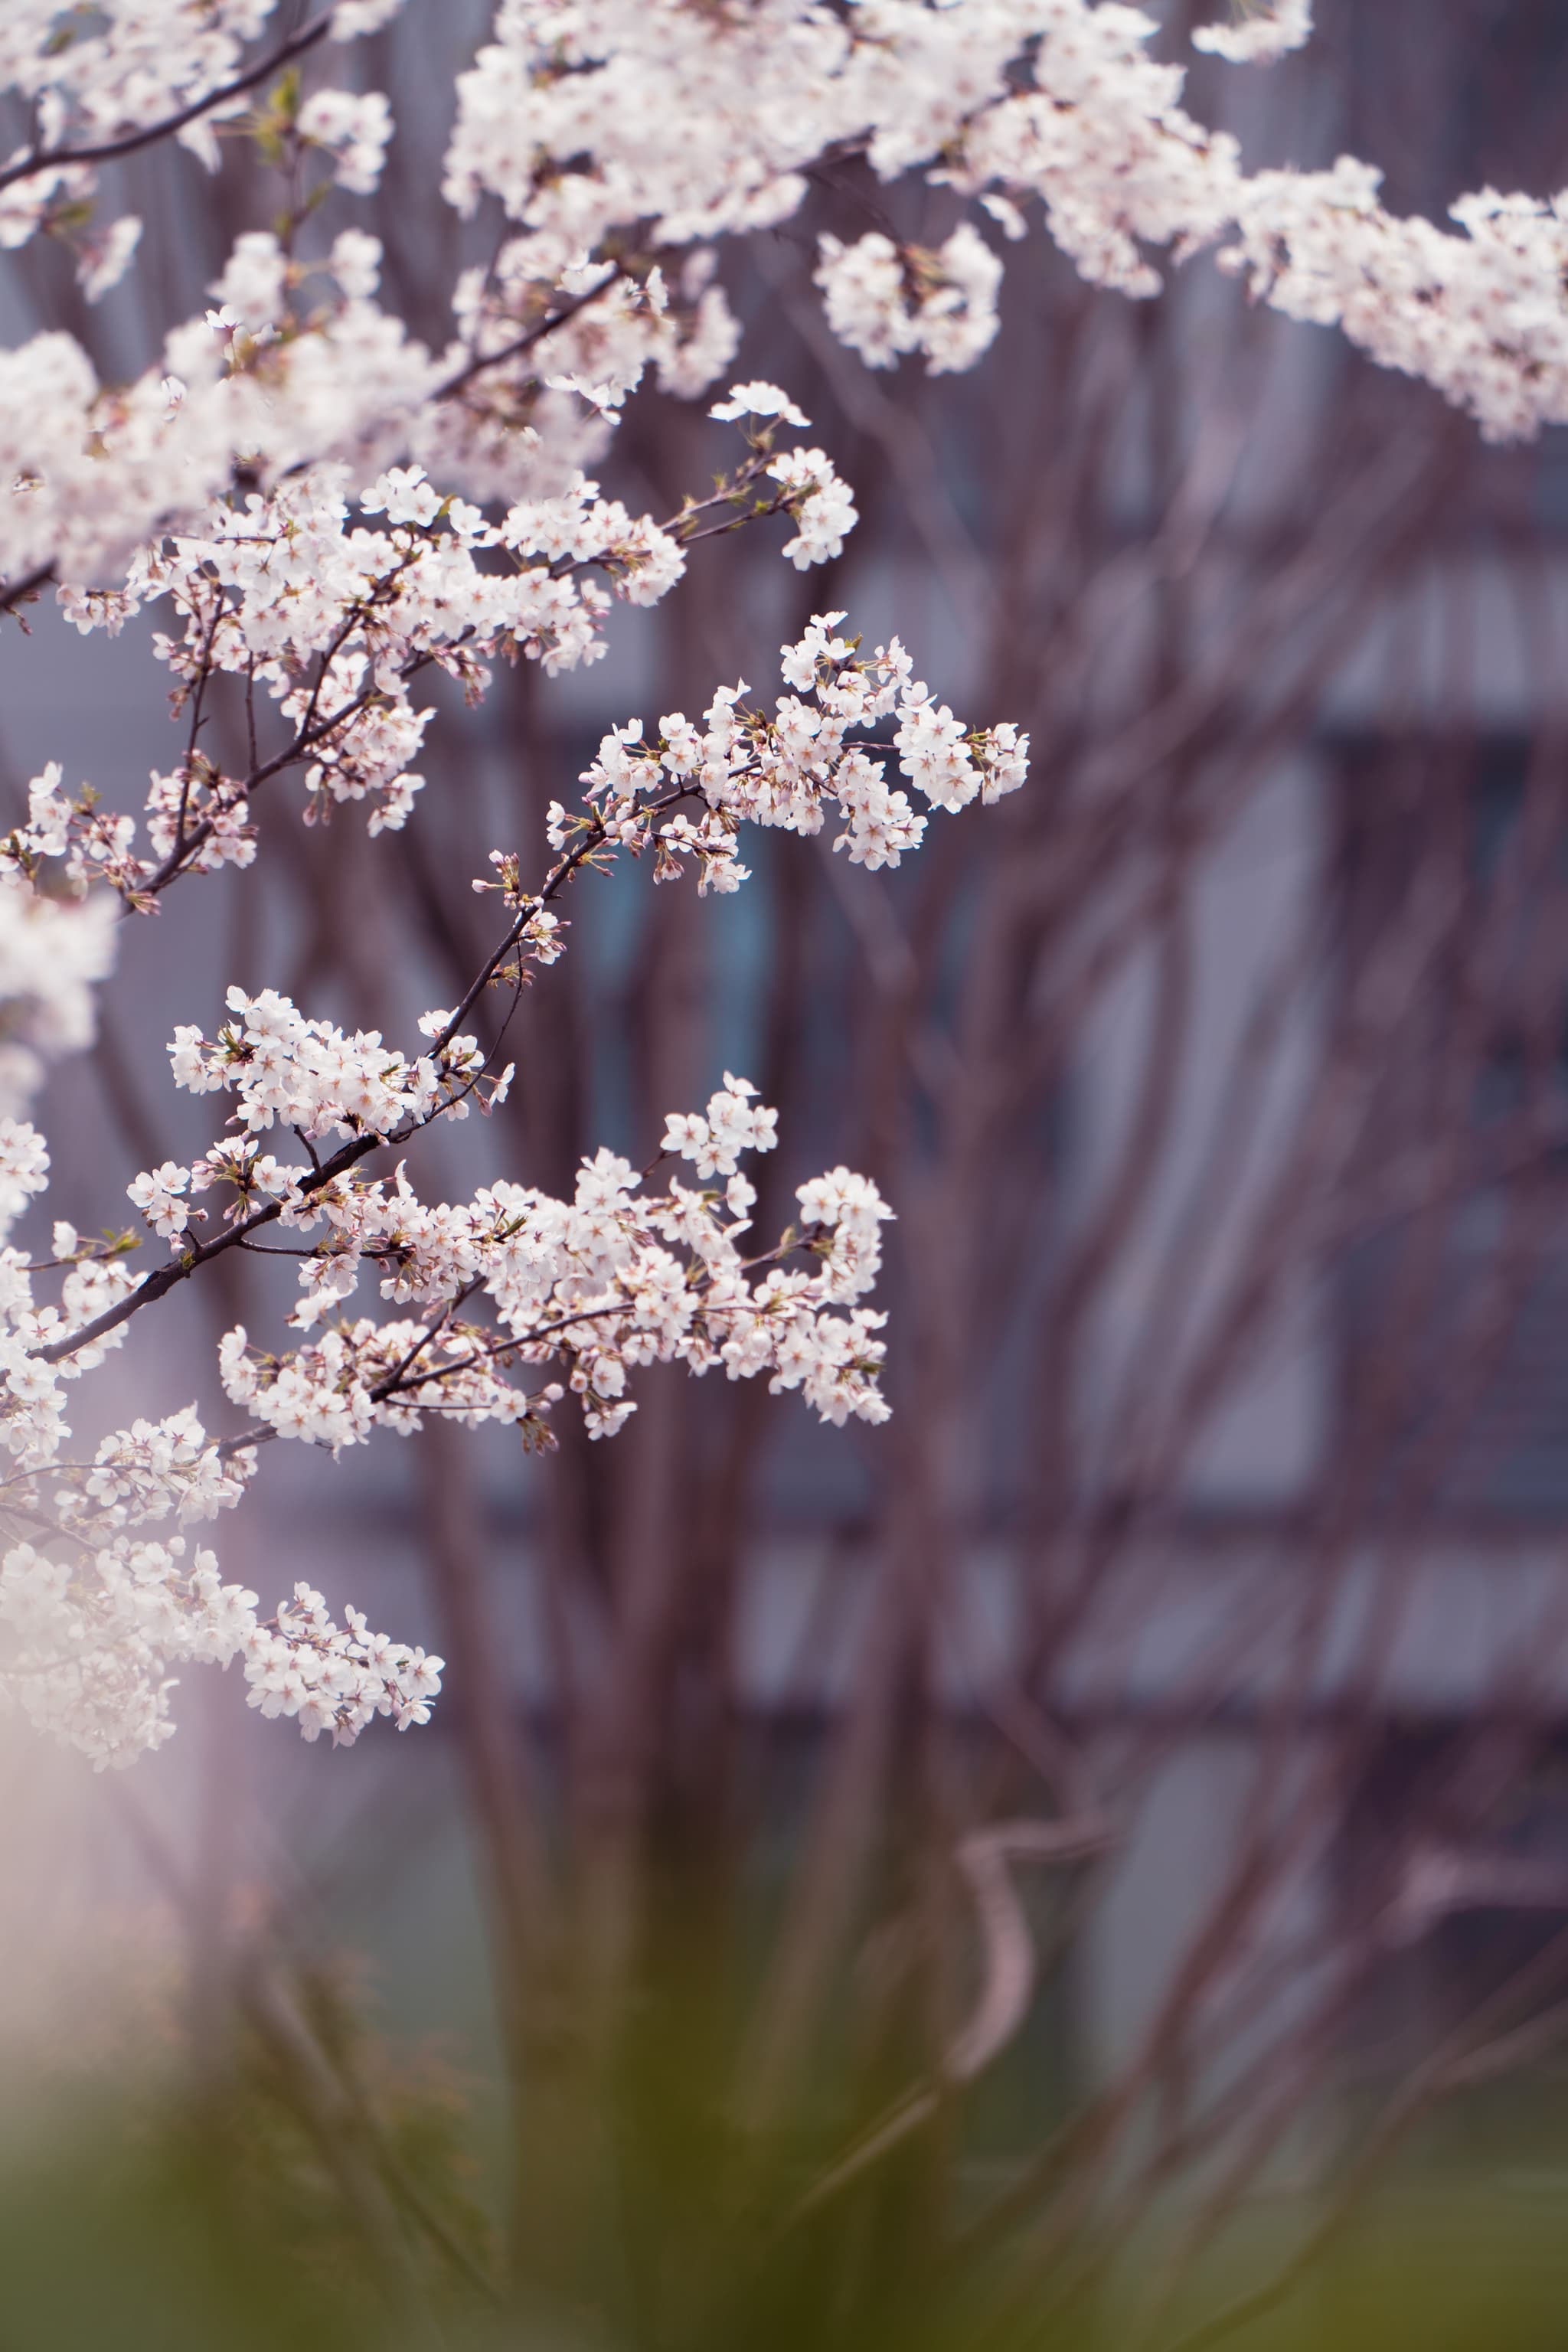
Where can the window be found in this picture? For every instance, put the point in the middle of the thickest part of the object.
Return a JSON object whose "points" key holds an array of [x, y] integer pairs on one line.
{"points": [[1453, 1269]]}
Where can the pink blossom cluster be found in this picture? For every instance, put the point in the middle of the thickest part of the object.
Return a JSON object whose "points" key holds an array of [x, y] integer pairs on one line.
{"points": [[788, 769], [91, 1640], [593, 1288], [625, 141]]}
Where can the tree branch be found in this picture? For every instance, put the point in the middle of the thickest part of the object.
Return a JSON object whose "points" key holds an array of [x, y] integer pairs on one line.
{"points": [[51, 159]]}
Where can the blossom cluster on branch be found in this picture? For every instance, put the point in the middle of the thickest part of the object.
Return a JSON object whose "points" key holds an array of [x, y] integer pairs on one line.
{"points": [[625, 141], [325, 510], [93, 1614], [333, 620], [786, 771], [519, 1297]]}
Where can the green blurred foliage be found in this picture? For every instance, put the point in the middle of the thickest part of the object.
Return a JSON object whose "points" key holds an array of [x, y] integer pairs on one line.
{"points": [[334, 2201]]}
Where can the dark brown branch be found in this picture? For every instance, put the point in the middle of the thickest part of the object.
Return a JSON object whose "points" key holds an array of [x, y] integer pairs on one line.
{"points": [[51, 159], [18, 592], [532, 335], [163, 1278]]}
